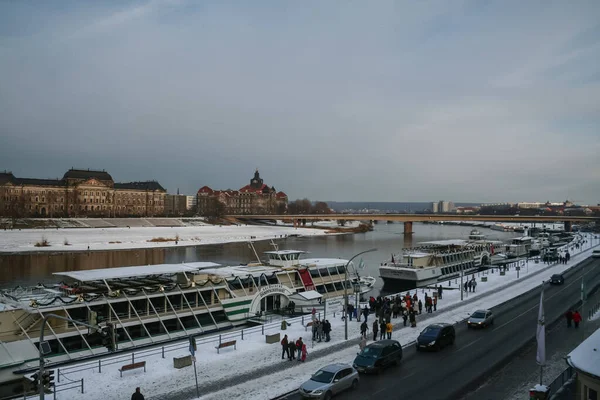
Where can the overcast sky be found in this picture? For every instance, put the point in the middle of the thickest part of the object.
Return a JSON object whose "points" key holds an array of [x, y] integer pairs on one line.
{"points": [[350, 101]]}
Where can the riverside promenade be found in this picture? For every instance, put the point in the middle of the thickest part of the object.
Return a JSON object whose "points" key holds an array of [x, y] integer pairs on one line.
{"points": [[256, 367]]}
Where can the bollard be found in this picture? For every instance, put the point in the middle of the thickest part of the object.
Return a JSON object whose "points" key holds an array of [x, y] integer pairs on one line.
{"points": [[163, 352], [303, 320], [81, 385], [100, 366], [263, 329], [448, 283], [133, 358], [242, 334], [58, 375], [219, 340]]}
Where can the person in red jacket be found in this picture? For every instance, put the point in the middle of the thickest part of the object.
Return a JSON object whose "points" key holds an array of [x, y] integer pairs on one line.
{"points": [[576, 319]]}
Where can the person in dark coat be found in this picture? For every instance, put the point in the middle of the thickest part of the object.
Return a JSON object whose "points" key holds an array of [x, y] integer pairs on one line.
{"points": [[420, 307], [363, 329], [382, 329], [413, 319], [292, 350], [440, 290], [375, 329], [284, 348], [569, 316], [137, 395], [327, 330], [366, 313]]}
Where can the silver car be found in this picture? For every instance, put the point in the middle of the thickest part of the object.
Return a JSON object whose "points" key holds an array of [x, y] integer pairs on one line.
{"points": [[480, 319], [329, 380]]}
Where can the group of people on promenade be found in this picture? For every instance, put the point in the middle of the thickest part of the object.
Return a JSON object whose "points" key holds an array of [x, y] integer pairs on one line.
{"points": [[294, 350], [470, 285], [386, 309]]}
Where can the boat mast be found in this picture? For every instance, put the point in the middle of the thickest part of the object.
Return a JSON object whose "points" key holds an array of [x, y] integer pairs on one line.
{"points": [[251, 245]]}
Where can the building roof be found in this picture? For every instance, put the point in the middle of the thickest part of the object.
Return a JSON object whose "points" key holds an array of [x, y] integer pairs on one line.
{"points": [[585, 358], [42, 182], [87, 174], [6, 177], [148, 185], [131, 272], [307, 295], [205, 189], [281, 195]]}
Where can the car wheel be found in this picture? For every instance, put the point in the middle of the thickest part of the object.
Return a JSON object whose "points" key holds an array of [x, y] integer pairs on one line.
{"points": [[327, 396], [492, 322], [355, 384]]}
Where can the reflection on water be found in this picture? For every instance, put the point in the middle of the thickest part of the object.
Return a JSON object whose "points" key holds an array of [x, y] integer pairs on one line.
{"points": [[28, 269]]}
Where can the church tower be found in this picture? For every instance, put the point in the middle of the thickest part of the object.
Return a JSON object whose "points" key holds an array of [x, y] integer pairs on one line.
{"points": [[256, 182]]}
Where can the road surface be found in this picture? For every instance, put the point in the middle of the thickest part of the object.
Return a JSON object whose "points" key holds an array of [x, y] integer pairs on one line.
{"points": [[477, 354]]}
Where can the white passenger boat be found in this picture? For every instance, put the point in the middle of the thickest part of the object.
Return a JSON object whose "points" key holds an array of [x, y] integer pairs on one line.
{"points": [[476, 235], [159, 303], [433, 262]]}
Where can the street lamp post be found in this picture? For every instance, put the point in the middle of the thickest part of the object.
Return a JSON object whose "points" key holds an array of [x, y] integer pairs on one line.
{"points": [[41, 353], [346, 290]]}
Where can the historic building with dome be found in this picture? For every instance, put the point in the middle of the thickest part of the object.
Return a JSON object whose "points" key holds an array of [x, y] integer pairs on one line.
{"points": [[79, 193], [254, 198]]}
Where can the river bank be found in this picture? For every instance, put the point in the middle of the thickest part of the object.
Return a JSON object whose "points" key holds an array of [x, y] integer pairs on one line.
{"points": [[126, 238]]}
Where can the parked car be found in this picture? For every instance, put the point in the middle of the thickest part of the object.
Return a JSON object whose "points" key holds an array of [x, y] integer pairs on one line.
{"points": [[557, 279], [436, 337], [596, 254], [378, 355], [480, 319], [329, 381]]}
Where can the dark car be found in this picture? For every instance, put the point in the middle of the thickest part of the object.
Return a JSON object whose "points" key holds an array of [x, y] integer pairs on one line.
{"points": [[557, 279], [436, 337], [378, 355]]}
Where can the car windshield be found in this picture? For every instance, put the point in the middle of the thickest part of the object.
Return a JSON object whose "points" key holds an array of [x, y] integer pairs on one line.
{"points": [[430, 331], [322, 376], [370, 352], [555, 276], [478, 314]]}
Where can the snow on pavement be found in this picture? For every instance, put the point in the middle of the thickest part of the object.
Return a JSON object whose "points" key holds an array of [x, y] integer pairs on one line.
{"points": [[253, 354]]}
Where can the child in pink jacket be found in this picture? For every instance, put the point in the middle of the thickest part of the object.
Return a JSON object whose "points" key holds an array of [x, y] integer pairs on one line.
{"points": [[304, 352]]}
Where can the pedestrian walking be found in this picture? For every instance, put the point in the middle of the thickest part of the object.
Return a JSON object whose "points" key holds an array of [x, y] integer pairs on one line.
{"points": [[413, 319], [375, 329], [304, 352], [320, 331], [474, 284], [299, 344], [366, 313], [382, 329], [569, 316], [363, 343], [137, 395], [435, 303], [389, 328], [363, 328], [292, 350], [420, 306], [440, 290], [576, 319], [284, 348], [404, 317]]}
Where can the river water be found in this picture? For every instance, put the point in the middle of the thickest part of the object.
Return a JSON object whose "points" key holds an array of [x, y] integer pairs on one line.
{"points": [[33, 268]]}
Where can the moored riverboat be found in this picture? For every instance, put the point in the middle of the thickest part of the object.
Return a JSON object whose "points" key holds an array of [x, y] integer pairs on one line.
{"points": [[436, 261]]}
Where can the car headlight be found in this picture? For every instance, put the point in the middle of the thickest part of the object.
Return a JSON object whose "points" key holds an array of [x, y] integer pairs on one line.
{"points": [[479, 322], [431, 343], [318, 391]]}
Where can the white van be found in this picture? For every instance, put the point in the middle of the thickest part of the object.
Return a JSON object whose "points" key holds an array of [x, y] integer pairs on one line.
{"points": [[596, 254]]}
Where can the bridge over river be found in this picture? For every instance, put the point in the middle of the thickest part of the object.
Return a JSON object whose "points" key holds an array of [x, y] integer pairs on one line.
{"points": [[408, 219]]}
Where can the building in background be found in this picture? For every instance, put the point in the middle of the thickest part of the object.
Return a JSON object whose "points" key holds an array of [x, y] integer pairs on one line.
{"points": [[79, 193], [176, 205], [190, 203], [254, 198], [442, 207]]}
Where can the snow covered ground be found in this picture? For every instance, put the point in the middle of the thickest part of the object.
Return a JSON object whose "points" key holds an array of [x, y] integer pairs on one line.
{"points": [[139, 237], [253, 354]]}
